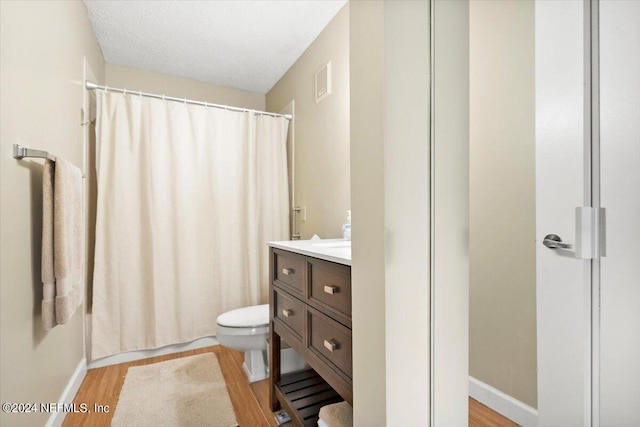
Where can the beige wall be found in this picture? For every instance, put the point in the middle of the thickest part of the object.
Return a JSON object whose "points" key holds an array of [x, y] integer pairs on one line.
{"points": [[149, 81], [502, 328], [41, 94], [322, 172]]}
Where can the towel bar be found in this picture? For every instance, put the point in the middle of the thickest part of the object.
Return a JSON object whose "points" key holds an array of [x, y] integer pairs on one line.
{"points": [[20, 152]]}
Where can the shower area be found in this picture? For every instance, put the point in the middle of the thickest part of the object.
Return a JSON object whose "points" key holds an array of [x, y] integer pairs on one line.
{"points": [[183, 196]]}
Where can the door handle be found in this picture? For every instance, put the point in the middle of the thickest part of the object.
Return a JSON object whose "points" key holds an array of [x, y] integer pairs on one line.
{"points": [[553, 241]]}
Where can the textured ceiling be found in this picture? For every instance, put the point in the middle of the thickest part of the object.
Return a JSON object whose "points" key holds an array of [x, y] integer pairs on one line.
{"points": [[243, 44]]}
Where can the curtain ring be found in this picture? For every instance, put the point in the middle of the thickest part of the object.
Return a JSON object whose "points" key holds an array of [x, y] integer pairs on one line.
{"points": [[124, 92], [163, 97], [184, 100], [140, 93]]}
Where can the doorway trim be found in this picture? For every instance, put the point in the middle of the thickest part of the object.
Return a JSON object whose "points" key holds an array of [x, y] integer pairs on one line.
{"points": [[449, 213]]}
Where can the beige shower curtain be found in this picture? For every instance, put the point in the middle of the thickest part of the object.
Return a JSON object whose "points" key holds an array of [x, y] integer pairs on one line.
{"points": [[187, 198]]}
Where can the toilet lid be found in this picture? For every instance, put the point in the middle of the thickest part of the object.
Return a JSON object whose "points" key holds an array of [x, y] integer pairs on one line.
{"points": [[255, 315]]}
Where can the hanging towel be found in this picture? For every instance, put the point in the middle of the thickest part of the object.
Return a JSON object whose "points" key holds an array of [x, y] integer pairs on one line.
{"points": [[62, 244]]}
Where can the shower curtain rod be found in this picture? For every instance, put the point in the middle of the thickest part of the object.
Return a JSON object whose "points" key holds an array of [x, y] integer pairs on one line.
{"points": [[93, 86]]}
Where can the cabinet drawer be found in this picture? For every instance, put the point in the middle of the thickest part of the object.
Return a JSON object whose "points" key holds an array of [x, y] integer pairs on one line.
{"points": [[330, 340], [330, 284], [289, 271], [290, 311]]}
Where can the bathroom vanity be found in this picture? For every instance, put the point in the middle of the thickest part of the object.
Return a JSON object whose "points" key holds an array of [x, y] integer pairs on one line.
{"points": [[310, 309]]}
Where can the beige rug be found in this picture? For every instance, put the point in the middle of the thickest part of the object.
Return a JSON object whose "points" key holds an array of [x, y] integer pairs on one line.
{"points": [[189, 391]]}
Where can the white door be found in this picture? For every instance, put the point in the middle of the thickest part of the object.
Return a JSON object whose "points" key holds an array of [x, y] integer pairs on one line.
{"points": [[562, 183], [588, 155]]}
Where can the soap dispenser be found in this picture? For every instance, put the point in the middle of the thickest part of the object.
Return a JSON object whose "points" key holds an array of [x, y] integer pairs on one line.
{"points": [[346, 227]]}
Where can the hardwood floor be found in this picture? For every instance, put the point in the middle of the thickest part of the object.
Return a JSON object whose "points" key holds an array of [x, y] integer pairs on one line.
{"points": [[482, 416], [102, 386]]}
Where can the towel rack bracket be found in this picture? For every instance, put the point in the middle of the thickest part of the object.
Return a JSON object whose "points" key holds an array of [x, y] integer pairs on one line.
{"points": [[20, 152]]}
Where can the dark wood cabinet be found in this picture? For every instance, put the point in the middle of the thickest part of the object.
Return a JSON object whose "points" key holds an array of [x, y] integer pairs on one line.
{"points": [[310, 309]]}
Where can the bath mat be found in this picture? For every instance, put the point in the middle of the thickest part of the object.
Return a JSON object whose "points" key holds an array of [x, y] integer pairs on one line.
{"points": [[189, 391]]}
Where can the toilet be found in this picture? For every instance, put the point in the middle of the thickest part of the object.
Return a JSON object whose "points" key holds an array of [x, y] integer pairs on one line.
{"points": [[245, 329]]}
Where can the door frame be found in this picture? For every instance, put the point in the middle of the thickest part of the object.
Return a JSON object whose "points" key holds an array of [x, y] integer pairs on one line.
{"points": [[449, 213]]}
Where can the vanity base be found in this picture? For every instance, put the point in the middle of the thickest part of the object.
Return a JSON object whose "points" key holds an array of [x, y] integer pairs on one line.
{"points": [[302, 394]]}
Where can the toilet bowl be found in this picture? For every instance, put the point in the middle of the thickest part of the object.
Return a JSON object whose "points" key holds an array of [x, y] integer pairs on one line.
{"points": [[245, 329]]}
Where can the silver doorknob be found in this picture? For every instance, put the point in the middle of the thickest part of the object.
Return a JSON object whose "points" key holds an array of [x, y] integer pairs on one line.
{"points": [[553, 241]]}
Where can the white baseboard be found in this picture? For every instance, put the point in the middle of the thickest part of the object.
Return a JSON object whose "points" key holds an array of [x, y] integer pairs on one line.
{"points": [[56, 418], [130, 356], [503, 404]]}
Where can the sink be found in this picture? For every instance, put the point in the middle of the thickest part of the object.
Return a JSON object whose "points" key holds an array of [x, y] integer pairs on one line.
{"points": [[333, 244]]}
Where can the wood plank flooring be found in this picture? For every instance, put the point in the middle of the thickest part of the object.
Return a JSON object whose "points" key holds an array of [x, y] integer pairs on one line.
{"points": [[482, 416], [102, 386]]}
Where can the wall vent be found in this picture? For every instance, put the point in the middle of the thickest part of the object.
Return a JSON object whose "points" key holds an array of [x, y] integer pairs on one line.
{"points": [[323, 82]]}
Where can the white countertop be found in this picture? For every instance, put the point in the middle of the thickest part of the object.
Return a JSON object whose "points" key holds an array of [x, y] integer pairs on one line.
{"points": [[334, 250]]}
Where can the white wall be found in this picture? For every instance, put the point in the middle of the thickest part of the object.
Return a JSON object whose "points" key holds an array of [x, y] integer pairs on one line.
{"points": [[620, 195], [407, 207], [43, 45], [450, 287]]}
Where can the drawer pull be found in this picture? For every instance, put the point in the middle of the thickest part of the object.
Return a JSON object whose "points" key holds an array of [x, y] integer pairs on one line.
{"points": [[287, 312], [331, 345], [287, 271], [331, 290]]}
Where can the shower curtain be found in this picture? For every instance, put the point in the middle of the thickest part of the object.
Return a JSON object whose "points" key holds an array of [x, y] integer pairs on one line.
{"points": [[188, 196]]}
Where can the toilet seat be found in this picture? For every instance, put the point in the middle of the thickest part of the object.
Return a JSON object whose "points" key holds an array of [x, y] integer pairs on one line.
{"points": [[255, 316]]}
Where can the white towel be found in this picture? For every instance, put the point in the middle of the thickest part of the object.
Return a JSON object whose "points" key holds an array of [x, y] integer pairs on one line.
{"points": [[336, 415], [48, 276], [62, 242]]}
